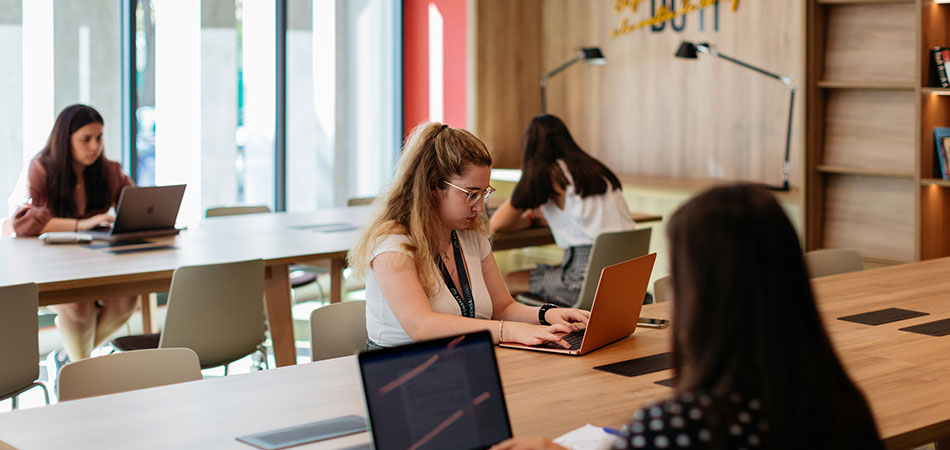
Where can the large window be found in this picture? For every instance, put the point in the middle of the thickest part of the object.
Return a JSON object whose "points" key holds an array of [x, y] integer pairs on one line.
{"points": [[204, 99], [54, 53], [205, 112], [342, 100]]}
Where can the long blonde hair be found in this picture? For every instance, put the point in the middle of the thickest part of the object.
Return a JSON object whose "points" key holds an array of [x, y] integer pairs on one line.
{"points": [[432, 153]]}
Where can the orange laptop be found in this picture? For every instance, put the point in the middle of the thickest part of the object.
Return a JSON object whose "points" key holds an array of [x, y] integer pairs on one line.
{"points": [[614, 313]]}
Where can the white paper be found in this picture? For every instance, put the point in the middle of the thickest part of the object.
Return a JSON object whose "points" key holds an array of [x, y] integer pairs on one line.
{"points": [[587, 437]]}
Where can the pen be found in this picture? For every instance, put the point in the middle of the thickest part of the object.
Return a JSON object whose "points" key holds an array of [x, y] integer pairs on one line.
{"points": [[613, 431]]}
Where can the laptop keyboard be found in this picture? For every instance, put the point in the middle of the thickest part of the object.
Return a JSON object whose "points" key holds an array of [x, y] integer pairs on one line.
{"points": [[574, 339]]}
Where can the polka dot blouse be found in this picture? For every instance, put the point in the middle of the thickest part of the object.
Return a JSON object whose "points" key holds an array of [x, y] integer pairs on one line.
{"points": [[688, 421]]}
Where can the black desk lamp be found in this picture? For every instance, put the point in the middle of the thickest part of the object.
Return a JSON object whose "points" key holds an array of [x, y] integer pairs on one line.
{"points": [[590, 55], [691, 51]]}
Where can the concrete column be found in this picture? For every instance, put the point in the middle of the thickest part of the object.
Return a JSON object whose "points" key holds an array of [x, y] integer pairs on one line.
{"points": [[219, 107], [11, 91]]}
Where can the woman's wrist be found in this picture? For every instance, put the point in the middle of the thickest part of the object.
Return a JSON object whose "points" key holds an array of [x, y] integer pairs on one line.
{"points": [[76, 228], [501, 331], [544, 310]]}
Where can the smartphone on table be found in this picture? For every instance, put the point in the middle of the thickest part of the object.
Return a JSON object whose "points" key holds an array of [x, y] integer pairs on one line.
{"points": [[652, 323]]}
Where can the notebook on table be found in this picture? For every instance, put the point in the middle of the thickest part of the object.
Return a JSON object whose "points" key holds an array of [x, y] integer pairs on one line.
{"points": [[144, 212], [614, 313], [440, 394]]}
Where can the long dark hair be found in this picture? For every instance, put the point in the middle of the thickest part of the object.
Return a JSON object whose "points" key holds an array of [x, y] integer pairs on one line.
{"points": [[57, 156], [545, 141], [745, 321]]}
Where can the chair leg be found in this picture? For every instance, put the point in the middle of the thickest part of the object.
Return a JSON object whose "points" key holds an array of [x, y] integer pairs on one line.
{"points": [[16, 405]]}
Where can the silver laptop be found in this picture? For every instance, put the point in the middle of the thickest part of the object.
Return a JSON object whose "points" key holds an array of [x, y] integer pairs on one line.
{"points": [[144, 212]]}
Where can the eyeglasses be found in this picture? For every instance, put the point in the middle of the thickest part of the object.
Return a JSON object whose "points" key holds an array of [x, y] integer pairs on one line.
{"points": [[474, 196]]}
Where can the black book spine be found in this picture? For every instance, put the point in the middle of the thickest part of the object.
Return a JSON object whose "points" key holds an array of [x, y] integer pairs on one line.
{"points": [[936, 55]]}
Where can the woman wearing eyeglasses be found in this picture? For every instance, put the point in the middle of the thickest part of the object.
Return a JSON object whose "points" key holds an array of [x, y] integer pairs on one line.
{"points": [[578, 197], [427, 261]]}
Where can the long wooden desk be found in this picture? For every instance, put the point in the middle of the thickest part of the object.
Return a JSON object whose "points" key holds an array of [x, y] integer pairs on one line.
{"points": [[905, 376], [72, 273]]}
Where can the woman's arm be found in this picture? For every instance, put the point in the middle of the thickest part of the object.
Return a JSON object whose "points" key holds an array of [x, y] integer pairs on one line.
{"points": [[399, 282], [507, 308], [509, 218]]}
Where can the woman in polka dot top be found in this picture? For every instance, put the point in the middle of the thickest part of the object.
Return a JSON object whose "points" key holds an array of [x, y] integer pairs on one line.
{"points": [[754, 365]]}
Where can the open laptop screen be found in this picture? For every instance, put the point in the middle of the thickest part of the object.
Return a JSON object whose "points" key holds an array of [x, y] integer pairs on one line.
{"points": [[441, 394]]}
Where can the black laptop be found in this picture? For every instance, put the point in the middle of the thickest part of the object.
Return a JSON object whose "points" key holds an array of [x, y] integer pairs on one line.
{"points": [[144, 212], [440, 394]]}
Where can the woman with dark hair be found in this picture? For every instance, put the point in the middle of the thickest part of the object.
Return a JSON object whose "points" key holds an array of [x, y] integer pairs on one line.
{"points": [[578, 197], [753, 363], [71, 186]]}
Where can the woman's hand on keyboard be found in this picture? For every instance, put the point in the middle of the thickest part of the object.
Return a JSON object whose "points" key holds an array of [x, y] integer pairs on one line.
{"points": [[568, 317], [528, 334]]}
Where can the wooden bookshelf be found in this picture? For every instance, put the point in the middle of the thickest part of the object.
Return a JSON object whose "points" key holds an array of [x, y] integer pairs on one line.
{"points": [[872, 176], [864, 126]]}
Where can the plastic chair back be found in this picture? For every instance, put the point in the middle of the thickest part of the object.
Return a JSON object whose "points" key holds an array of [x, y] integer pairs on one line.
{"points": [[338, 329], [127, 371], [19, 339], [663, 289], [822, 263], [236, 210], [217, 310]]}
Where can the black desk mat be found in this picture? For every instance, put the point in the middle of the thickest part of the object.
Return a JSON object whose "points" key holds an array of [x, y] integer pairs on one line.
{"points": [[883, 316], [140, 249], [640, 366], [99, 245], [936, 328]]}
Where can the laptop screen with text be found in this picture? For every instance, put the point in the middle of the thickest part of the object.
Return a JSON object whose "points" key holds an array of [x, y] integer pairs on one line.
{"points": [[441, 394]]}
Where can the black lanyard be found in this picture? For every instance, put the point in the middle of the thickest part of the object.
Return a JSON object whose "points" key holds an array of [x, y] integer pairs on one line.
{"points": [[467, 305]]}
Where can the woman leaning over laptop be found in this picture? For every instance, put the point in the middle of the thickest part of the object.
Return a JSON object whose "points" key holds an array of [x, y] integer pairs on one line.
{"points": [[71, 186], [754, 365], [428, 264]]}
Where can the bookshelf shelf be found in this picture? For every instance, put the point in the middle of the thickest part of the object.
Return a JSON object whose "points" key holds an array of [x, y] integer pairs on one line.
{"points": [[865, 85], [934, 182], [864, 172], [936, 91]]}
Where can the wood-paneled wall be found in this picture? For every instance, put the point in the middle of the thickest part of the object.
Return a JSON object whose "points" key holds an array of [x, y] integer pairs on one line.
{"points": [[645, 112]]}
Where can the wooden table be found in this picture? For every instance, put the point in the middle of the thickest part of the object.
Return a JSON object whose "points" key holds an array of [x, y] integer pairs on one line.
{"points": [[71, 273], [906, 378]]}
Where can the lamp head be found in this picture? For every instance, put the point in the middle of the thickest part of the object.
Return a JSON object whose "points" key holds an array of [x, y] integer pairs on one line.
{"points": [[592, 56], [689, 50]]}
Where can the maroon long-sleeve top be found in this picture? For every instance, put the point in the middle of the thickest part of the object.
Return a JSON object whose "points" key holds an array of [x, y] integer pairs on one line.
{"points": [[32, 216]]}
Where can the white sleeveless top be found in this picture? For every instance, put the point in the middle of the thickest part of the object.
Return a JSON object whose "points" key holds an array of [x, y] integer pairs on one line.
{"points": [[582, 219], [381, 324]]}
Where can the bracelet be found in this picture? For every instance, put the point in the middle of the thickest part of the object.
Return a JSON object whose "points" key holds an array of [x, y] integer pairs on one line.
{"points": [[501, 330], [544, 310]]}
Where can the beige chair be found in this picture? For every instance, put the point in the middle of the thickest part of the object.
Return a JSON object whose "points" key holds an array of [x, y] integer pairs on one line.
{"points": [[608, 249], [236, 210], [663, 289], [338, 329], [217, 310], [821, 263], [128, 371], [360, 201], [19, 341]]}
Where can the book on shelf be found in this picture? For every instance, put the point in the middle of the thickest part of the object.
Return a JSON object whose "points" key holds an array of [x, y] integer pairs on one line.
{"points": [[938, 67], [942, 149]]}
